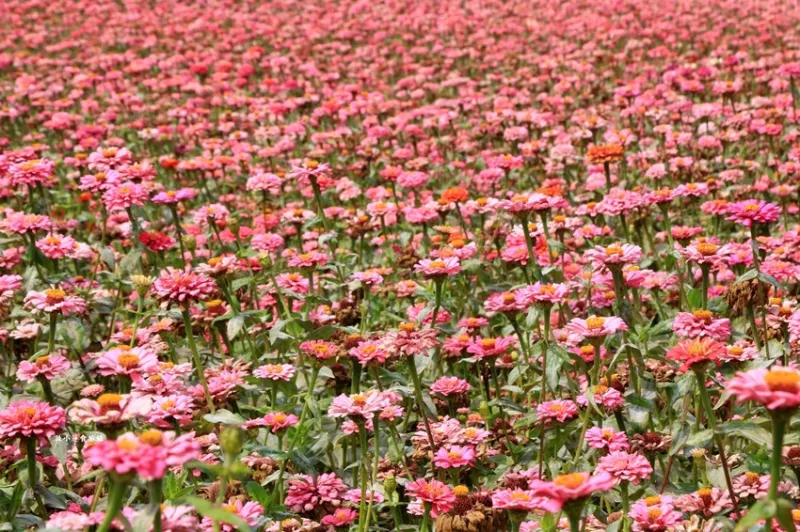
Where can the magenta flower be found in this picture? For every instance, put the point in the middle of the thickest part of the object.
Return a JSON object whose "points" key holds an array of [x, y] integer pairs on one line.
{"points": [[753, 211], [183, 286]]}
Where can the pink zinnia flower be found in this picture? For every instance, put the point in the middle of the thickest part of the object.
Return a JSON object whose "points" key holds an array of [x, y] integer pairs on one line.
{"points": [[614, 255], [340, 518], [249, 511], [183, 286], [275, 372], [654, 514], [357, 405], [31, 419], [447, 386], [596, 327], [572, 486], [491, 347], [276, 421], [690, 352], [749, 211], [559, 410], [607, 438], [148, 454], [433, 492], [701, 324], [123, 360], [48, 367], [371, 351], [109, 409], [624, 466], [454, 456], [751, 485], [124, 196], [519, 500], [438, 267], [306, 493], [54, 300], [776, 388]]}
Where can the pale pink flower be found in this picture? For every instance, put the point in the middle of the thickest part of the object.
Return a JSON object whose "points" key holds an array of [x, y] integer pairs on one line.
{"points": [[275, 372], [607, 438], [572, 486], [559, 410], [438, 267], [596, 327], [519, 500], [776, 388], [54, 300], [447, 386]]}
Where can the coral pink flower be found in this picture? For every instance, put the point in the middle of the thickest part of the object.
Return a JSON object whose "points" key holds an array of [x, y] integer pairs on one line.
{"points": [[545, 294], [319, 349], [624, 466], [573, 486], [433, 492], [125, 195], [340, 518], [371, 351], [31, 419], [48, 367], [183, 286], [596, 327], [54, 300], [519, 500], [776, 388], [454, 456], [690, 352]]}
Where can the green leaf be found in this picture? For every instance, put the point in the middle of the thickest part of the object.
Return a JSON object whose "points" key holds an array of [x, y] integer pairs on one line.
{"points": [[760, 510], [129, 261], [218, 513], [748, 430], [235, 325], [224, 416], [144, 519], [679, 439], [700, 439], [783, 513], [322, 333], [258, 493]]}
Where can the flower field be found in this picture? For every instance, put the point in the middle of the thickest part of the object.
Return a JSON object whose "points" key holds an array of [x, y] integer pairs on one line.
{"points": [[418, 265]]}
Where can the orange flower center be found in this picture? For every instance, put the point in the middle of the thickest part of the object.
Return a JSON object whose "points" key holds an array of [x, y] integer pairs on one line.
{"points": [[359, 400], [151, 437], [704, 315], [783, 380], [571, 480], [707, 248], [437, 264], [461, 491], [614, 250], [407, 327], [652, 501], [55, 294], [280, 417], [109, 401], [41, 361], [128, 361]]}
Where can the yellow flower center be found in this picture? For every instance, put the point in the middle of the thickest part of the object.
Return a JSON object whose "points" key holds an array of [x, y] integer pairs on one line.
{"points": [[461, 491], [652, 501], [595, 322], [437, 264], [614, 250]]}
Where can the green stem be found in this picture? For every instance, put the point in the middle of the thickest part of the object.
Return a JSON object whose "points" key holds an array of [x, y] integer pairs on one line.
{"points": [[114, 503], [198, 364]]}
